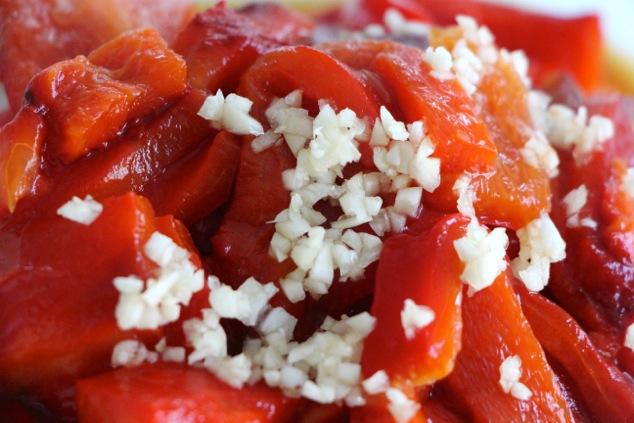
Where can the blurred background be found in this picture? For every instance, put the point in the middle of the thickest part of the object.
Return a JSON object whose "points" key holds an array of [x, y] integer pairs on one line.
{"points": [[617, 16]]}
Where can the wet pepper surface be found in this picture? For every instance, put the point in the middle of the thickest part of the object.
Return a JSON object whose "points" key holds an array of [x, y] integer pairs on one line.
{"points": [[115, 116]]}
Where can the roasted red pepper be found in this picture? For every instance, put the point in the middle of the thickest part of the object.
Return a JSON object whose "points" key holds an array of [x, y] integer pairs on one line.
{"points": [[131, 163], [20, 155], [424, 269], [594, 283], [220, 44], [47, 345], [495, 329], [162, 392], [200, 184], [518, 192], [121, 124], [607, 394], [38, 34]]}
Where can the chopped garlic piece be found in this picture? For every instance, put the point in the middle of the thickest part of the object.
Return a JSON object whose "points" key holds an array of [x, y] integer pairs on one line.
{"points": [[333, 143], [325, 368], [378, 383], [415, 317], [477, 35], [574, 202], [566, 128], [408, 201], [235, 371], [174, 354], [292, 285], [264, 141], [81, 211], [231, 113], [538, 153], [629, 337], [206, 336], [467, 66], [521, 391], [163, 251], [130, 353], [627, 186], [379, 137], [278, 320], [520, 63], [440, 61], [425, 169], [466, 195], [483, 253], [540, 245], [394, 129], [402, 408], [157, 301], [510, 373], [246, 304], [398, 25]]}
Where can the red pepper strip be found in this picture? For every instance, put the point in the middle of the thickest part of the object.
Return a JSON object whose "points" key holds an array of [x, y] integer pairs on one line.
{"points": [[422, 267], [168, 392], [594, 283], [20, 154], [218, 45], [84, 103], [129, 164], [605, 392], [241, 244], [91, 101], [142, 57], [625, 355], [360, 55], [198, 185], [495, 329], [461, 139], [425, 269], [517, 193], [318, 75], [57, 304]]}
